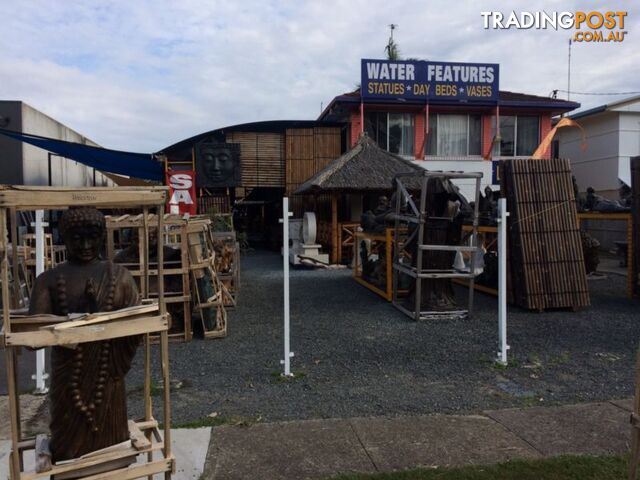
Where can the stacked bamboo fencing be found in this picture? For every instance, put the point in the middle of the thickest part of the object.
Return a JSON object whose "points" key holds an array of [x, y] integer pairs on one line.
{"points": [[309, 150], [546, 259], [635, 214], [261, 158]]}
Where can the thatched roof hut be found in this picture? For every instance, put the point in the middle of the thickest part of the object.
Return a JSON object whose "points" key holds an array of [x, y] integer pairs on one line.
{"points": [[364, 168]]}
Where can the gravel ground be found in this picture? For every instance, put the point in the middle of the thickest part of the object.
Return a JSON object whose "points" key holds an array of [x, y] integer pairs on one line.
{"points": [[355, 355]]}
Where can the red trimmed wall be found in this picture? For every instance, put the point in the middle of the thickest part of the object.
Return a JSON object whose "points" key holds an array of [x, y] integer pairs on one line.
{"points": [[487, 137], [545, 128], [419, 134], [355, 126], [419, 144]]}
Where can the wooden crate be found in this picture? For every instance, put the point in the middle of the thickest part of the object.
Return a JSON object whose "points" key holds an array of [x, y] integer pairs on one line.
{"points": [[48, 330], [176, 237], [617, 217], [380, 244], [227, 260], [202, 266]]}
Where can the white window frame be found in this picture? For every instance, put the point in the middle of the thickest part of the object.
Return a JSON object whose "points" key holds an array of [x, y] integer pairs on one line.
{"points": [[516, 154]]}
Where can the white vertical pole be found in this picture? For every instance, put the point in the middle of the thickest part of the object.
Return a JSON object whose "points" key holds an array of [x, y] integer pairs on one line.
{"points": [[285, 263], [502, 280], [40, 258]]}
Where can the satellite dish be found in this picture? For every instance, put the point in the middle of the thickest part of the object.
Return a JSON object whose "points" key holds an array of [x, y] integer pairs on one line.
{"points": [[309, 228]]}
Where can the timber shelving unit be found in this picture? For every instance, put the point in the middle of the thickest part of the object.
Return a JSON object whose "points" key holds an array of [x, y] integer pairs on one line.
{"points": [[202, 266], [414, 221], [488, 235], [620, 217], [175, 235], [346, 238], [42, 331], [491, 233]]}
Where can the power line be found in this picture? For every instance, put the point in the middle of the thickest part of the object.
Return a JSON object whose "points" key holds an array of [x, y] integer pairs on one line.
{"points": [[598, 93]]}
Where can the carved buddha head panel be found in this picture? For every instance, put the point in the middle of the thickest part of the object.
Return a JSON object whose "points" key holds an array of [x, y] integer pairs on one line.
{"points": [[217, 164], [83, 232]]}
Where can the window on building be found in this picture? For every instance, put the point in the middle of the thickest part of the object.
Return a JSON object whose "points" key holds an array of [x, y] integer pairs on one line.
{"points": [[453, 135], [392, 131], [519, 136]]}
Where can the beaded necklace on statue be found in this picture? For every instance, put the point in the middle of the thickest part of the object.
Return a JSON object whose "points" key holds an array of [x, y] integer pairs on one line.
{"points": [[87, 407]]}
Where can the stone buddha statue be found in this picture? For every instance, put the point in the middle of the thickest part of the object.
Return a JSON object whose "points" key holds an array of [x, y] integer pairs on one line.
{"points": [[87, 397]]}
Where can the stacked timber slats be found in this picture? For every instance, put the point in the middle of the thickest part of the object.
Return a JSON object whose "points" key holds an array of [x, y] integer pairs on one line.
{"points": [[300, 157], [327, 147], [545, 249], [309, 150], [261, 158], [635, 214]]}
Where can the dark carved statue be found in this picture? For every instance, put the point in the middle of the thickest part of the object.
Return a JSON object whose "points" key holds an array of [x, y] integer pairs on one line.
{"points": [[130, 256], [380, 218], [445, 229], [87, 398], [597, 203]]}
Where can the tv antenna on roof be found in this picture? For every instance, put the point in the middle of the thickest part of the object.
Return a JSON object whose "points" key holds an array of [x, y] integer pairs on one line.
{"points": [[392, 26]]}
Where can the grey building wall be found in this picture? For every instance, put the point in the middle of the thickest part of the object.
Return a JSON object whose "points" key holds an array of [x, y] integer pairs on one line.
{"points": [[25, 164], [10, 150], [597, 166]]}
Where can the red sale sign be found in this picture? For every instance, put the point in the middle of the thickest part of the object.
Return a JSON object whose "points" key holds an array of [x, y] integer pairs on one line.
{"points": [[182, 191]]}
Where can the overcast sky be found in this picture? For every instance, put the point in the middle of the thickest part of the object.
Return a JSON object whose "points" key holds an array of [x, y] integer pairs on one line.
{"points": [[140, 75]]}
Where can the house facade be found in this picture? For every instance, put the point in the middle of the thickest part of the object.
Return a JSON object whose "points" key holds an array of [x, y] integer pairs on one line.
{"points": [[447, 123], [600, 156]]}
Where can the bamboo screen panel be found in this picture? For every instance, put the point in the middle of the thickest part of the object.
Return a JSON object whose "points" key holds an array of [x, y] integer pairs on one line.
{"points": [[635, 215], [545, 249], [214, 204], [261, 158], [309, 150]]}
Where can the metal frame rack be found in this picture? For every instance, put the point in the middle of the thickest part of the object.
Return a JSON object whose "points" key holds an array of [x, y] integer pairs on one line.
{"points": [[418, 216]]}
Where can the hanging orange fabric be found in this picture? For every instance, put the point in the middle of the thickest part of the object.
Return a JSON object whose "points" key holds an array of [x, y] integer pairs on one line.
{"points": [[546, 143]]}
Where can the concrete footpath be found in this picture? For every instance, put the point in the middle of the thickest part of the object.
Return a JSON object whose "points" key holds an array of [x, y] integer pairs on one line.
{"points": [[319, 449]]}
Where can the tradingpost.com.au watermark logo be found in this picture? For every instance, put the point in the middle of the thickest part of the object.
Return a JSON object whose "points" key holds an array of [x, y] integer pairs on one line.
{"points": [[594, 26]]}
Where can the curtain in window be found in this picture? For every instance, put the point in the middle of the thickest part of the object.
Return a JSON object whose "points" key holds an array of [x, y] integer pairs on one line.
{"points": [[400, 129], [432, 137], [475, 135], [527, 136], [452, 135], [507, 133], [395, 133], [408, 132], [375, 124]]}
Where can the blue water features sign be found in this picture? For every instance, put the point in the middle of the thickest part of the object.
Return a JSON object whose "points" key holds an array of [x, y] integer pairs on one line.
{"points": [[425, 80]]}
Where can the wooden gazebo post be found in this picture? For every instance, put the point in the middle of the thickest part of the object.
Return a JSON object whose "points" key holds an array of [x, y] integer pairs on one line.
{"points": [[334, 227]]}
